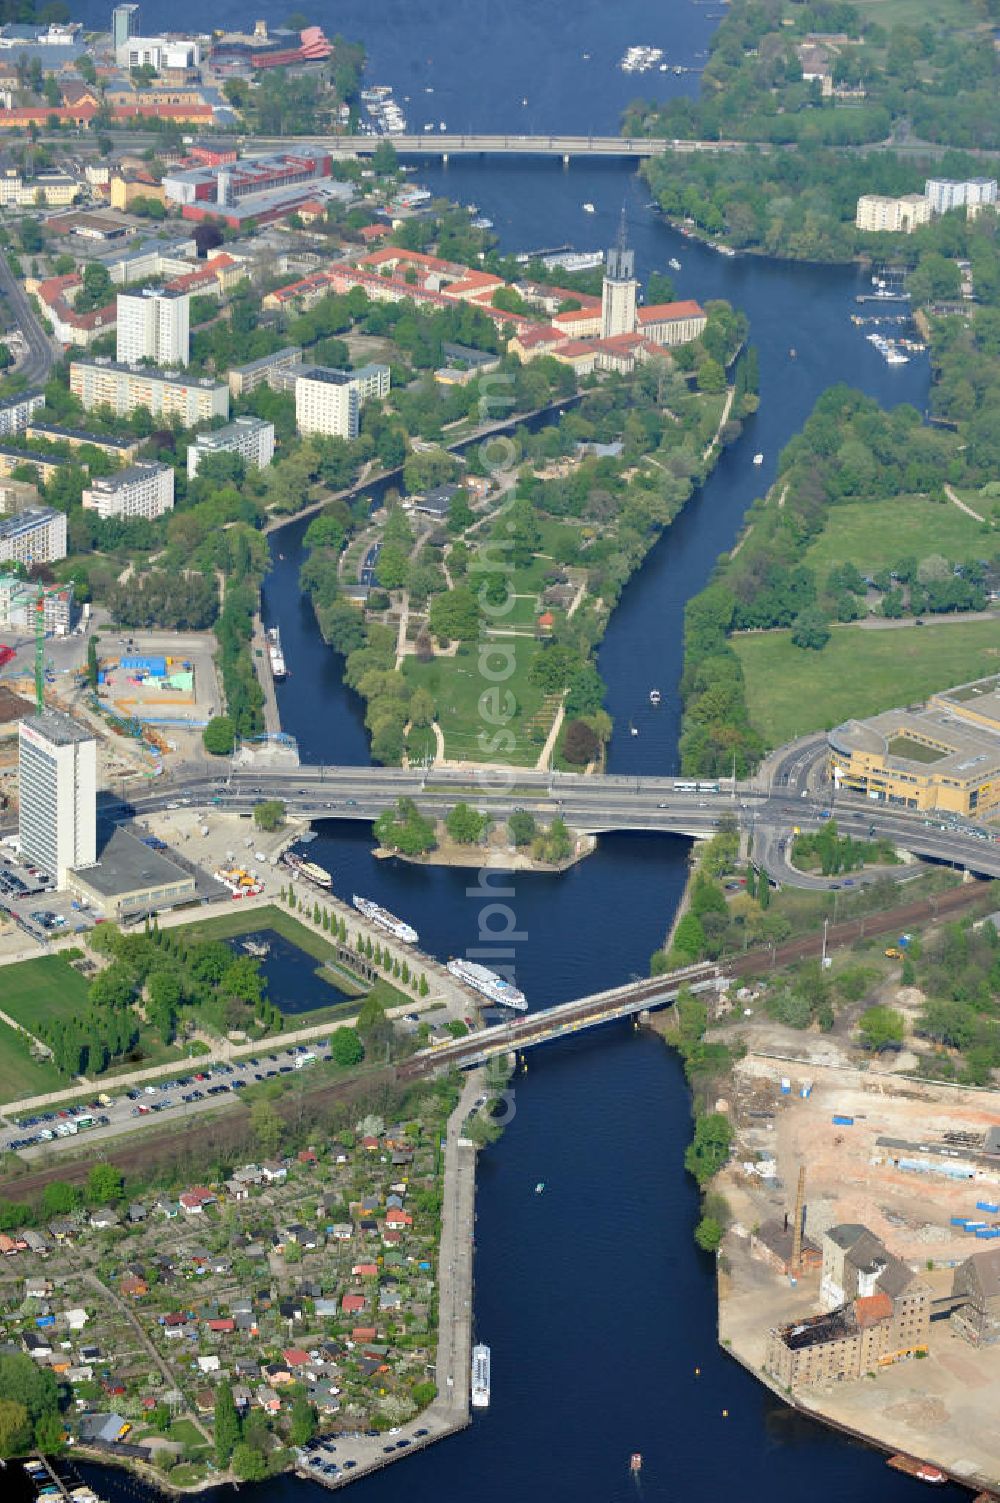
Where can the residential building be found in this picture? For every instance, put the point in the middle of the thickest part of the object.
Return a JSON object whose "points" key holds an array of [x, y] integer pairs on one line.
{"points": [[251, 438], [875, 212], [19, 606], [53, 189], [153, 324], [977, 1285], [122, 449], [620, 288], [329, 401], [142, 490], [124, 25], [57, 296], [99, 382], [246, 378], [126, 187], [36, 535], [44, 465], [16, 412], [944, 193], [945, 755], [57, 770]]}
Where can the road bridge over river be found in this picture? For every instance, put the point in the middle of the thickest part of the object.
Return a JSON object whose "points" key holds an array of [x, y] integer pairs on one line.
{"points": [[767, 810], [474, 144]]}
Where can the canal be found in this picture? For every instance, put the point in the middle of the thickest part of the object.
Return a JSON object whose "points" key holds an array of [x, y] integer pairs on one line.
{"points": [[599, 1309]]}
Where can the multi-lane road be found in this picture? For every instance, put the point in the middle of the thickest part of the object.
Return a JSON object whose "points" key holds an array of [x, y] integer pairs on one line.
{"points": [[793, 792], [42, 352]]}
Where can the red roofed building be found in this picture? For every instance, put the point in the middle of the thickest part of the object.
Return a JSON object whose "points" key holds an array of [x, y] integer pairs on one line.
{"points": [[294, 1356], [393, 1217], [363, 1333], [57, 296], [353, 1304], [671, 323], [372, 232], [579, 323], [193, 1202], [313, 48], [67, 114], [871, 1309], [365, 1270], [184, 114], [224, 1326]]}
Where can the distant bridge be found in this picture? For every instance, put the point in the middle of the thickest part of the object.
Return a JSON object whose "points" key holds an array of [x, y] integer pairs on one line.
{"points": [[527, 1029], [567, 147]]}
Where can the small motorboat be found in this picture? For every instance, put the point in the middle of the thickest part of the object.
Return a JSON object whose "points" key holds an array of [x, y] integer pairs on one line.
{"points": [[540, 1187], [588, 208], [793, 353], [758, 459], [674, 264], [635, 1462], [633, 730], [655, 696]]}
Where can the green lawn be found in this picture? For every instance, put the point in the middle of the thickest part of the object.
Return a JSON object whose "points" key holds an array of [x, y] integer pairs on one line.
{"points": [[859, 672], [457, 684], [956, 15], [37, 991], [874, 534], [20, 1075]]}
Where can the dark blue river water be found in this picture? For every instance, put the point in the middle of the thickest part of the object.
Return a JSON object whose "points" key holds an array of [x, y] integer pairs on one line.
{"points": [[596, 1304]]}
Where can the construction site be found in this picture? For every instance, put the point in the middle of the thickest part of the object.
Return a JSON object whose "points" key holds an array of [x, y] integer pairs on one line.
{"points": [[830, 1157]]}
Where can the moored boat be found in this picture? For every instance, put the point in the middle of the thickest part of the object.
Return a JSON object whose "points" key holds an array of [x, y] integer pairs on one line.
{"points": [[655, 696], [383, 919], [480, 1377], [922, 1470], [275, 654], [483, 980], [318, 875]]}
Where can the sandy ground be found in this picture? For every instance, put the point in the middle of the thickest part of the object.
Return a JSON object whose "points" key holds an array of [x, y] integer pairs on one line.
{"points": [[942, 1409]]}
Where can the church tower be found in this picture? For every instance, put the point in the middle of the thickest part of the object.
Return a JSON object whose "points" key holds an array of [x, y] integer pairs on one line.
{"points": [[620, 288]]}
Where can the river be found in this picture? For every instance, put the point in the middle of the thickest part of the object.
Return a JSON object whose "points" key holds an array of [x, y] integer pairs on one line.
{"points": [[593, 1297]]}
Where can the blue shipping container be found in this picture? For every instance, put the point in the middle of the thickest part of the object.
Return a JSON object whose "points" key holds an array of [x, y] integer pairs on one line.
{"points": [[986, 1205], [985, 1233], [843, 1121], [959, 1220], [155, 666], [45, 1320]]}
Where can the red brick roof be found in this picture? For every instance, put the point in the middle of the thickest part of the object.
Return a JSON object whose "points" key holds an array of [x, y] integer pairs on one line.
{"points": [[872, 1309], [661, 313]]}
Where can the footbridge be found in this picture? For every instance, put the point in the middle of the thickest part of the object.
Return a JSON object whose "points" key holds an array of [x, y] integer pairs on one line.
{"points": [[528, 1029]]}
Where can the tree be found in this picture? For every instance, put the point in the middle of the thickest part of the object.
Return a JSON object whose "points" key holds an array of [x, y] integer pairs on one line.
{"points": [[374, 1026], [267, 1126], [455, 615], [882, 1028], [711, 376], [104, 1182], [303, 1425], [467, 825], [580, 743], [219, 736], [59, 1198], [708, 1234], [228, 1430], [35, 1388], [15, 1428], [522, 827], [346, 1048], [709, 1150], [269, 814], [809, 630], [249, 1464]]}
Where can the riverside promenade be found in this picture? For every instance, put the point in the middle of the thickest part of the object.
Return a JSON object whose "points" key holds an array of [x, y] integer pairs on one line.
{"points": [[449, 1411]]}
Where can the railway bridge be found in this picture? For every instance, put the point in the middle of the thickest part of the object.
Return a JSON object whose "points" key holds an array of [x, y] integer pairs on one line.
{"points": [[528, 1029]]}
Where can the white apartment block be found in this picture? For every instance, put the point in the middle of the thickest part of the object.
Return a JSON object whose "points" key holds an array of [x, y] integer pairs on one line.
{"points": [[36, 535], [158, 53], [52, 188], [123, 388], [945, 193], [893, 215], [153, 325], [262, 372], [141, 490], [19, 606], [16, 412], [251, 438], [57, 771], [329, 402]]}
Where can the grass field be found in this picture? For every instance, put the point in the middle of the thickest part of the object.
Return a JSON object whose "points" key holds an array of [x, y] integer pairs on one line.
{"points": [[37, 991], [20, 1075], [457, 683], [858, 673], [956, 15], [873, 535]]}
